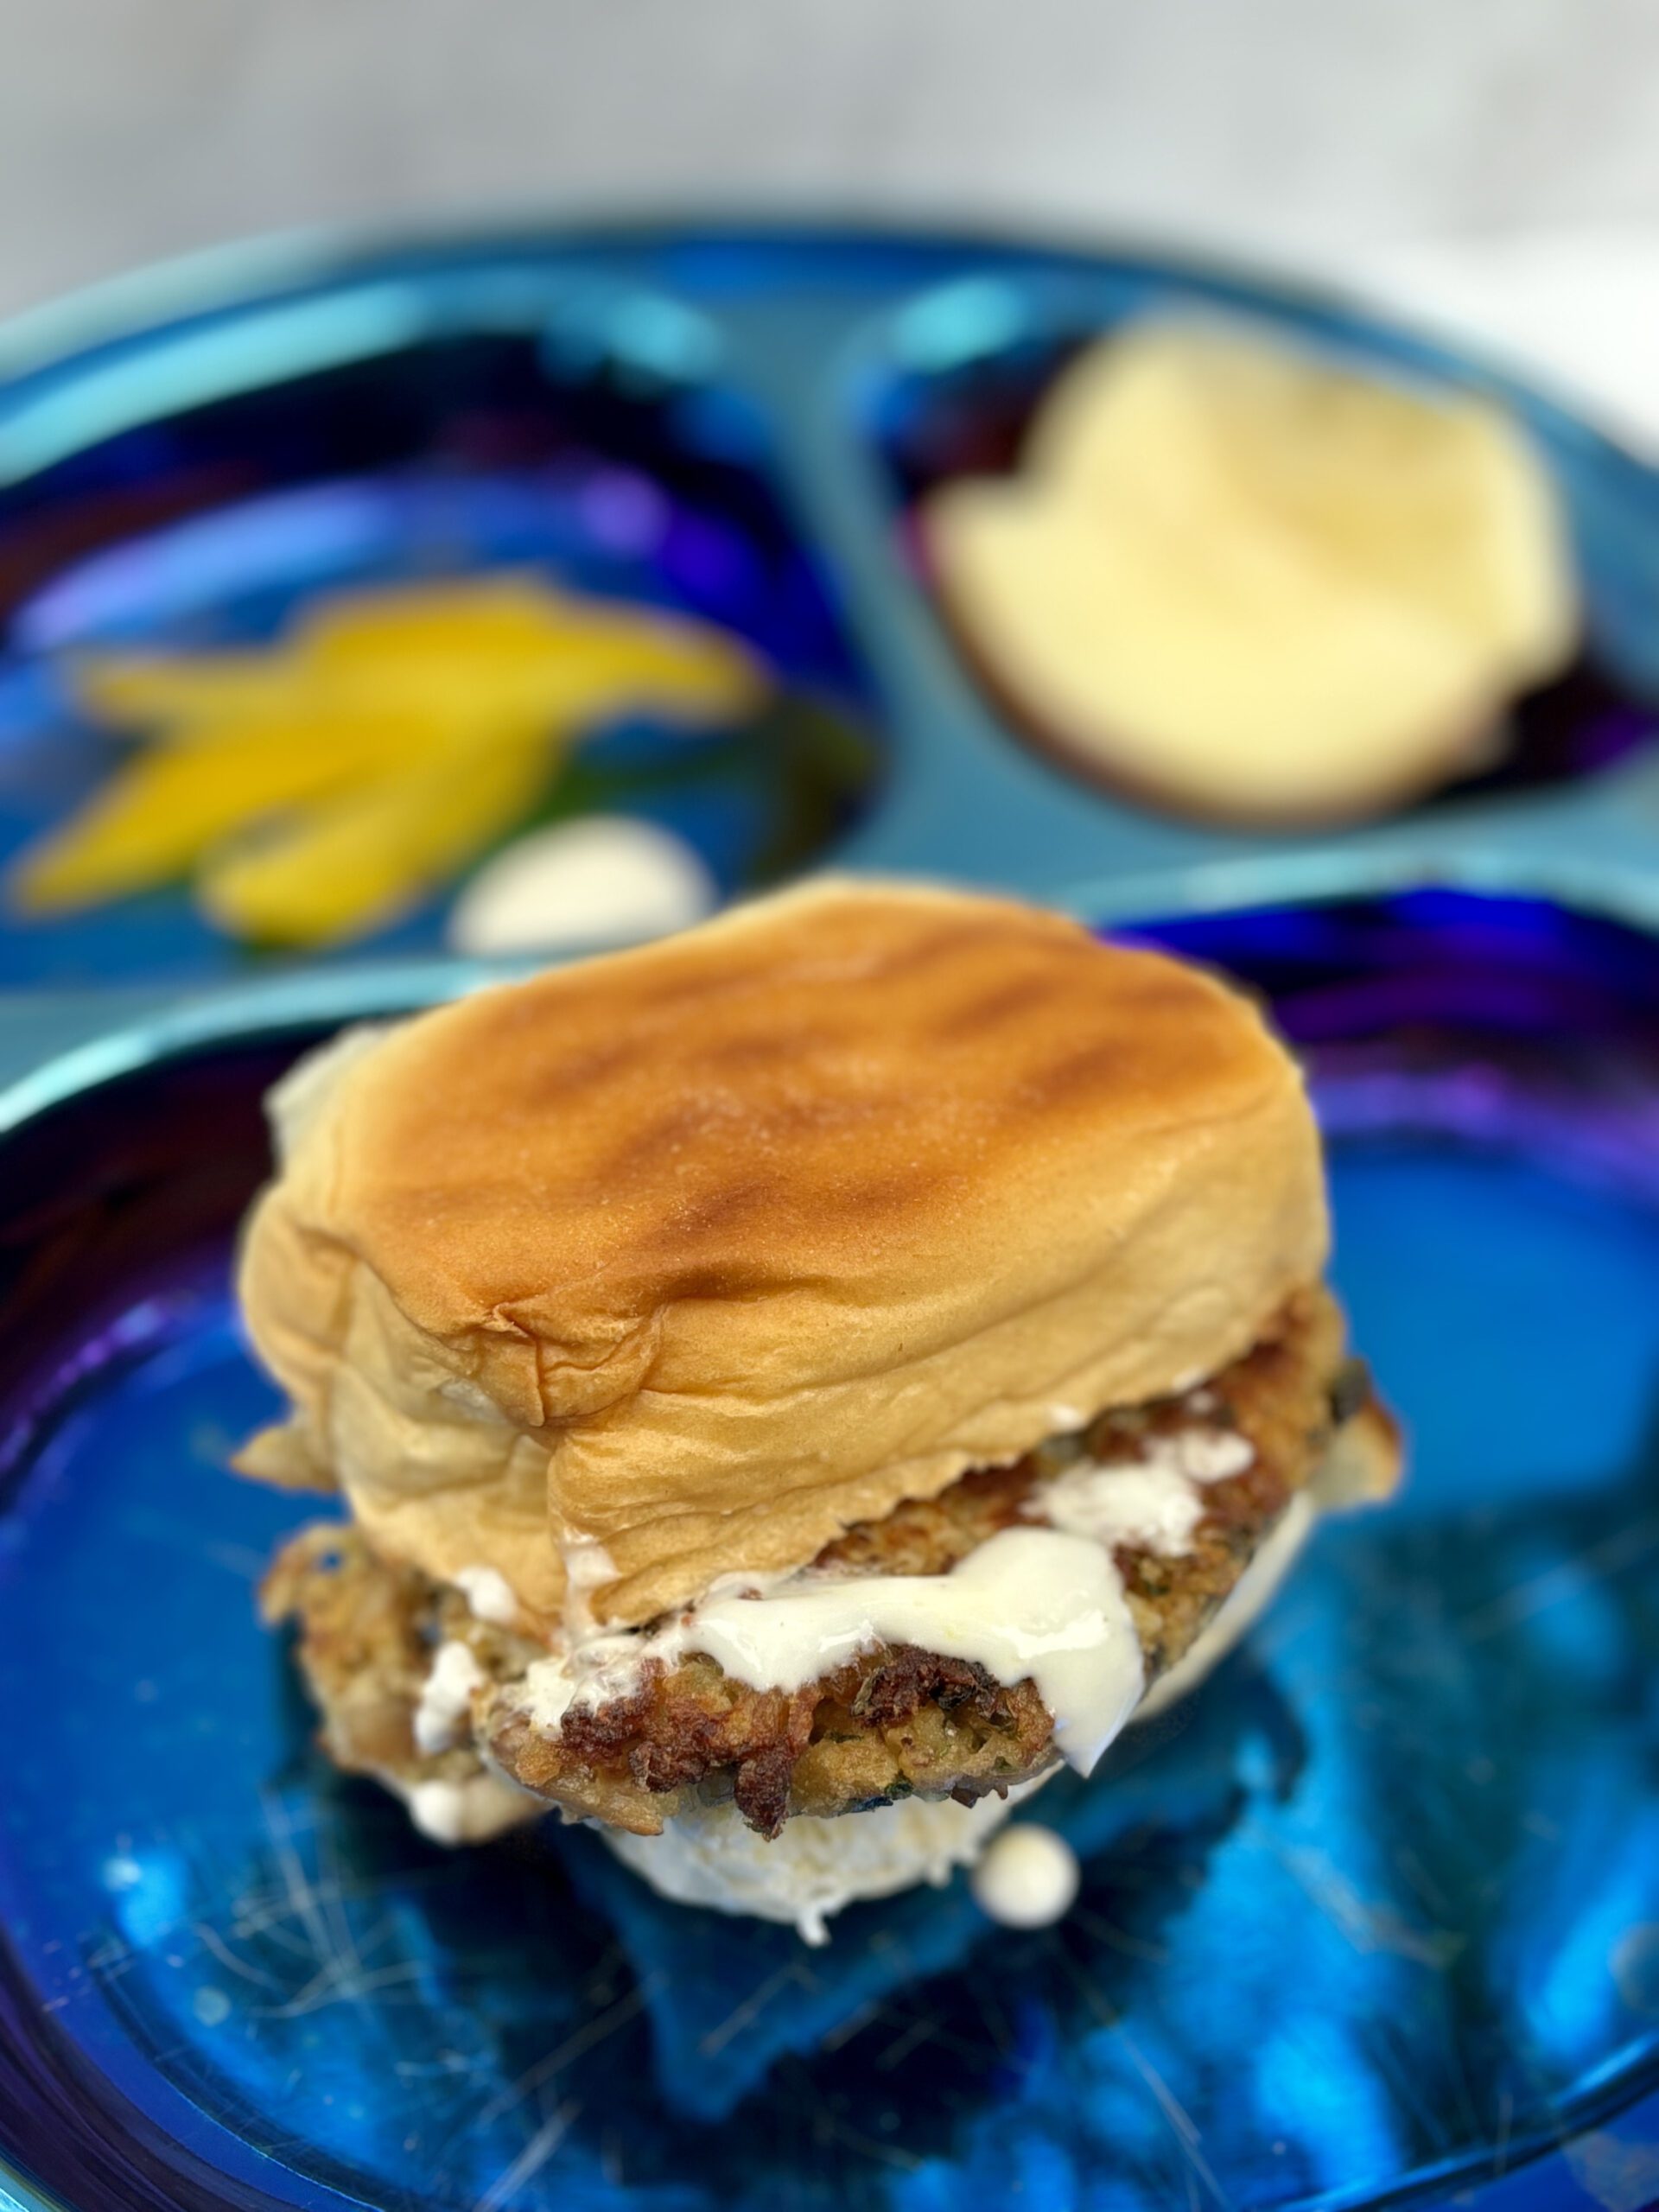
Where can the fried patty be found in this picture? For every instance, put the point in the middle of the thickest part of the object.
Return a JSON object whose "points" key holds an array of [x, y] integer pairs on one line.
{"points": [[893, 1722]]}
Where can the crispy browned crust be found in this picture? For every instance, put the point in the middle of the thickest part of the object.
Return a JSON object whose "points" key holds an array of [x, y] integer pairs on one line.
{"points": [[367, 1633], [895, 1722]]}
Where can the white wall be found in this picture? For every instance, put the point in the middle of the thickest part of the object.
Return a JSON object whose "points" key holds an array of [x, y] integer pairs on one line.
{"points": [[131, 128]]}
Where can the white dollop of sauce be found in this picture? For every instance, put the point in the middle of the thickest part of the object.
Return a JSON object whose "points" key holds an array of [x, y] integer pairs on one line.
{"points": [[549, 1690], [447, 1697], [1029, 1603], [488, 1595], [469, 1811], [1152, 1503], [1203, 1455], [599, 880], [1150, 1508], [1027, 1878]]}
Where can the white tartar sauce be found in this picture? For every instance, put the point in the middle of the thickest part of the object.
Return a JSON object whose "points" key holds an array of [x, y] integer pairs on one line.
{"points": [[1030, 1602]]}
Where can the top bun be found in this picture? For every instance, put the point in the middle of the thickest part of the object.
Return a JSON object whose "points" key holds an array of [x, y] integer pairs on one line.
{"points": [[702, 1252]]}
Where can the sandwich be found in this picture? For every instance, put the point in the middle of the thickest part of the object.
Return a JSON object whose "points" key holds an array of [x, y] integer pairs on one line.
{"points": [[793, 1387]]}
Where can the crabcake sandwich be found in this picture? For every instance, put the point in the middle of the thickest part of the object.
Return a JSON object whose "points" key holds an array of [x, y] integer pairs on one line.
{"points": [[794, 1386]]}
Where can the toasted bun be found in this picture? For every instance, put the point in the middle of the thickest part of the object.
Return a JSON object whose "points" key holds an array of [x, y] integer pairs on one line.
{"points": [[702, 1252]]}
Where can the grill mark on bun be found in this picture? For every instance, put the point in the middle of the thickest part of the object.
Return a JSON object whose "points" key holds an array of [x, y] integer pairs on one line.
{"points": [[643, 1149], [933, 947], [718, 1210], [887, 1194], [1075, 1073], [564, 1076], [751, 1051], [997, 1008]]}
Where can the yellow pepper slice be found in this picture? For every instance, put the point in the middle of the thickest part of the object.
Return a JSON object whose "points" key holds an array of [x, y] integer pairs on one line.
{"points": [[487, 650], [330, 751], [155, 818], [357, 863]]}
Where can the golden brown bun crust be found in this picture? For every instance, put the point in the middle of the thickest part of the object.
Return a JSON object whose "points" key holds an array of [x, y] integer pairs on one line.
{"points": [[707, 1250]]}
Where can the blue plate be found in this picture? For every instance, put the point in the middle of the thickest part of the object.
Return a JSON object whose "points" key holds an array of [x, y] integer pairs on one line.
{"points": [[731, 422], [1375, 1917]]}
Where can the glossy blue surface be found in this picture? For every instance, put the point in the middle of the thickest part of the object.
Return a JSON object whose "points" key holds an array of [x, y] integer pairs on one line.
{"points": [[735, 421], [1378, 1911]]}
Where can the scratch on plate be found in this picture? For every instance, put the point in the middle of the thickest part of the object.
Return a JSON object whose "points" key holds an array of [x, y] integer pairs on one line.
{"points": [[1118, 1939], [1183, 2125], [854, 2024], [1505, 2121], [908, 2040], [530, 2161], [793, 1976], [1624, 1548], [1367, 1926], [1179, 2121], [212, 1940], [596, 2031]]}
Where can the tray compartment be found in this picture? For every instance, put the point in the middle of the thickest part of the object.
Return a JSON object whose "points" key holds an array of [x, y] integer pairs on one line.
{"points": [[960, 371], [580, 427]]}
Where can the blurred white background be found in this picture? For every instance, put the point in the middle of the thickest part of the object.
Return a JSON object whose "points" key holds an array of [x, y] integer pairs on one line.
{"points": [[1495, 160]]}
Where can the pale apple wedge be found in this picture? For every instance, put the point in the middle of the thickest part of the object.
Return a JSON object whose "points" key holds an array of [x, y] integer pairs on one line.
{"points": [[1244, 582]]}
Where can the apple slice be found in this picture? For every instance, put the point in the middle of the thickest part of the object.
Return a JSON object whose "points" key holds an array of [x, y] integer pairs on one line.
{"points": [[1247, 582]]}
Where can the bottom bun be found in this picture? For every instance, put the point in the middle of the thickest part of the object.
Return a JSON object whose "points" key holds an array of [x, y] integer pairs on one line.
{"points": [[708, 1856]]}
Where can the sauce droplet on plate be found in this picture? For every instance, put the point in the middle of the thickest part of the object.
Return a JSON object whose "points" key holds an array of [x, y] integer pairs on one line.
{"points": [[1029, 1877]]}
